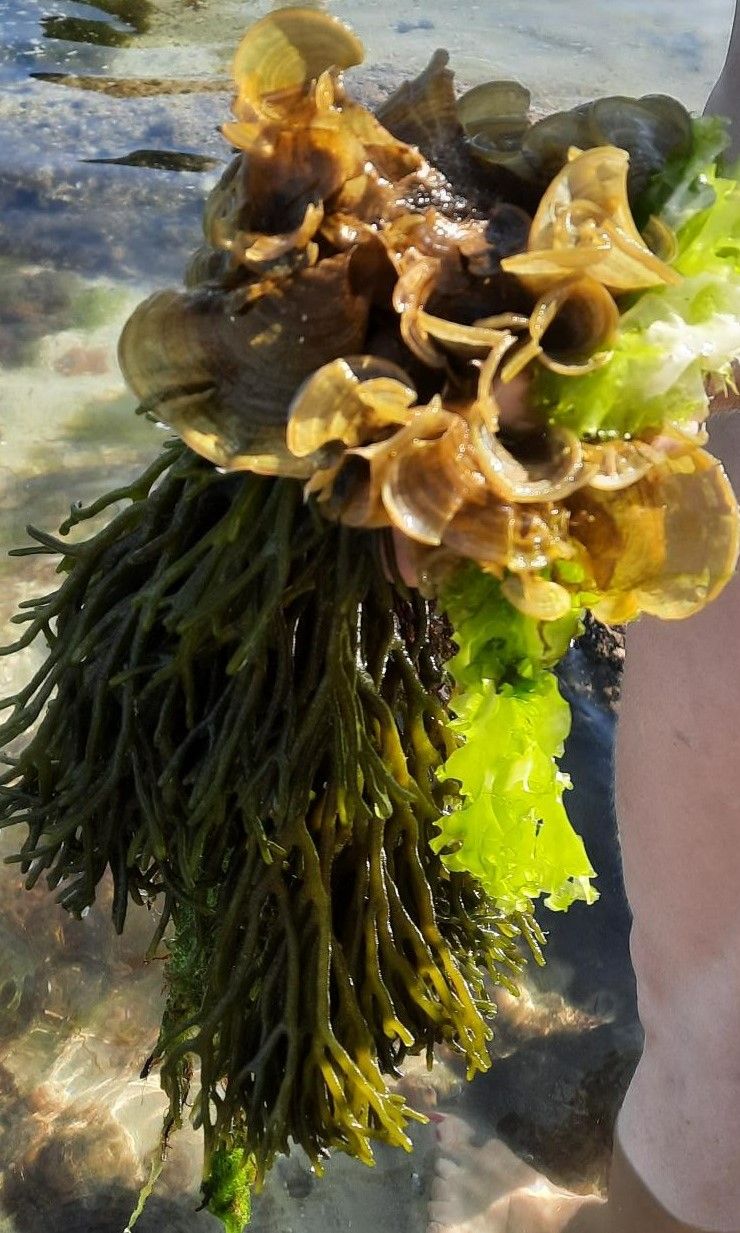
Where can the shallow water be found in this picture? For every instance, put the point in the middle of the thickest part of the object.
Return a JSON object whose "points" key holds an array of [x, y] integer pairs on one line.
{"points": [[108, 145]]}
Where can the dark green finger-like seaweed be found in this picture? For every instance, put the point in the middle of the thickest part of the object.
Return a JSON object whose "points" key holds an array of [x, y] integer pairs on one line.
{"points": [[242, 719]]}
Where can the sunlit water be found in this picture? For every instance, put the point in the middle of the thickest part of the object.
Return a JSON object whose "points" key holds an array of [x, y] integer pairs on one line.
{"points": [[108, 145]]}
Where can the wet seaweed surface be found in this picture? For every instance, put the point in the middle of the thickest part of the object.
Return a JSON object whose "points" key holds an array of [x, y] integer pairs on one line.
{"points": [[78, 1011]]}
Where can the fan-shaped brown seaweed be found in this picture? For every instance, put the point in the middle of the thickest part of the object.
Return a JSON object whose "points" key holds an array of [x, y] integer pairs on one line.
{"points": [[332, 223], [195, 359]]}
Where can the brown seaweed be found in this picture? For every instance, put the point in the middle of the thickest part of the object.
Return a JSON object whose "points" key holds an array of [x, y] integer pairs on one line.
{"points": [[332, 227], [197, 359]]}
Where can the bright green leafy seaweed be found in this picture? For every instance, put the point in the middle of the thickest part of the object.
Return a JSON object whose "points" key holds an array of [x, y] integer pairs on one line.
{"points": [[683, 188], [672, 340], [512, 831]]}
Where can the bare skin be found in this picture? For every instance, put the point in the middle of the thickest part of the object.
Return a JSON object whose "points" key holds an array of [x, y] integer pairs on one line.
{"points": [[678, 801], [678, 798]]}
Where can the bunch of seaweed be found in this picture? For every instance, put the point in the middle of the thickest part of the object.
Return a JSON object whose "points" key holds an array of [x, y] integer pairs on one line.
{"points": [[297, 696]]}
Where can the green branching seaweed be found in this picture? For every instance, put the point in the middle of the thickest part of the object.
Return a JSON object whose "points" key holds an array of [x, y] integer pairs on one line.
{"points": [[243, 719]]}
